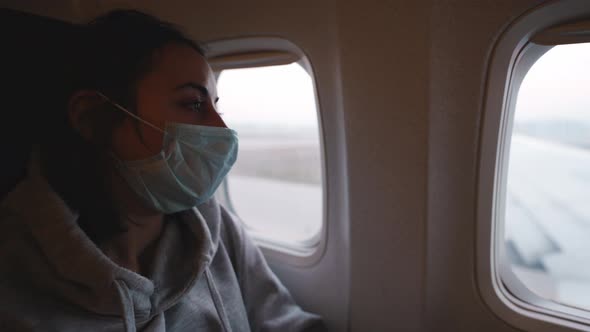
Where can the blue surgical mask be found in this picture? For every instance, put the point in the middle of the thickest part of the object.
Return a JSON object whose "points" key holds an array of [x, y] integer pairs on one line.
{"points": [[192, 164]]}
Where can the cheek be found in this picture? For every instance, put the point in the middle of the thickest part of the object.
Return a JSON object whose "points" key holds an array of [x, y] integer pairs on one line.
{"points": [[148, 140], [152, 139], [127, 144], [182, 116]]}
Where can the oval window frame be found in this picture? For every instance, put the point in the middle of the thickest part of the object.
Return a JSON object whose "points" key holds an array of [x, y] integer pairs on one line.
{"points": [[249, 52], [512, 55]]}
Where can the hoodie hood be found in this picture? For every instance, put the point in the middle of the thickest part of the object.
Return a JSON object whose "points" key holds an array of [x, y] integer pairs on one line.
{"points": [[69, 265]]}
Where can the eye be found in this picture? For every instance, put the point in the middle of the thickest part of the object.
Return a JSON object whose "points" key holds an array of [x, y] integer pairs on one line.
{"points": [[194, 105]]}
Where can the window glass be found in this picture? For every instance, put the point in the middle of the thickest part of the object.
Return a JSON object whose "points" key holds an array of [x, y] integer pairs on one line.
{"points": [[275, 186], [547, 221]]}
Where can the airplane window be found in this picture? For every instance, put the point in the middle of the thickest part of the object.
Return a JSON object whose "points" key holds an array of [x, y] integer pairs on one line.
{"points": [[275, 186], [547, 217]]}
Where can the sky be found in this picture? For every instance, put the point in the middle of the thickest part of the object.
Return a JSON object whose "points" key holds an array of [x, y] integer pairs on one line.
{"points": [[280, 96], [557, 85]]}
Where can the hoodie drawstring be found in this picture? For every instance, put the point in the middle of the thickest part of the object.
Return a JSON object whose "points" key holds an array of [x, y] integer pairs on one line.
{"points": [[217, 301], [127, 310]]}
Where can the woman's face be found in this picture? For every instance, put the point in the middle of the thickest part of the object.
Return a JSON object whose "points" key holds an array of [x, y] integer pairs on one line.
{"points": [[178, 82]]}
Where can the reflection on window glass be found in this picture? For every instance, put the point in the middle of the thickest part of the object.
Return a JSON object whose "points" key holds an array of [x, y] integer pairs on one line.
{"points": [[547, 225], [275, 186]]}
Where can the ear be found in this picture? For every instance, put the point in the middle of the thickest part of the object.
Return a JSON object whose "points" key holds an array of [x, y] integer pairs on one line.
{"points": [[80, 106]]}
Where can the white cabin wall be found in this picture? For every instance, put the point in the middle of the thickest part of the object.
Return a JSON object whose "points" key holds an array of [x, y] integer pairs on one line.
{"points": [[463, 34], [384, 63]]}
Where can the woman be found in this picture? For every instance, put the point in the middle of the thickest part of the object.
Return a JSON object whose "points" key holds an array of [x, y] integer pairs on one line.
{"points": [[103, 233]]}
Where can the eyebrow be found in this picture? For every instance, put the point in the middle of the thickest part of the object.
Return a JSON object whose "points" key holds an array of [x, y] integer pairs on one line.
{"points": [[195, 86]]}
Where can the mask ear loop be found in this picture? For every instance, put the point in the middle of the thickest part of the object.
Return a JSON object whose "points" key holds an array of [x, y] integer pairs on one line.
{"points": [[167, 149], [129, 113]]}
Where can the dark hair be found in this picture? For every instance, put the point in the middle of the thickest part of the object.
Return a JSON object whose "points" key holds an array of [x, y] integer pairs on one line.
{"points": [[112, 53]]}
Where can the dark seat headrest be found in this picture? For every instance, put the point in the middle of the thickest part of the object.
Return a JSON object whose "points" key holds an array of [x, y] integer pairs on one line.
{"points": [[34, 65]]}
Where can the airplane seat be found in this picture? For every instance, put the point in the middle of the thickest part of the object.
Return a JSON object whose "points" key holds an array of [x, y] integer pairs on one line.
{"points": [[34, 70]]}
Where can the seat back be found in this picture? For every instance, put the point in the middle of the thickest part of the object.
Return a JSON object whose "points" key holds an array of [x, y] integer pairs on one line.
{"points": [[34, 67]]}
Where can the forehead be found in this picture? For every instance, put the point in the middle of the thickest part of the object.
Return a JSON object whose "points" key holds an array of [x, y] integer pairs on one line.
{"points": [[177, 64]]}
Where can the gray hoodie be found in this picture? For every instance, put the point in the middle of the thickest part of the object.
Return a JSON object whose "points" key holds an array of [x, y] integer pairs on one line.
{"points": [[207, 275]]}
